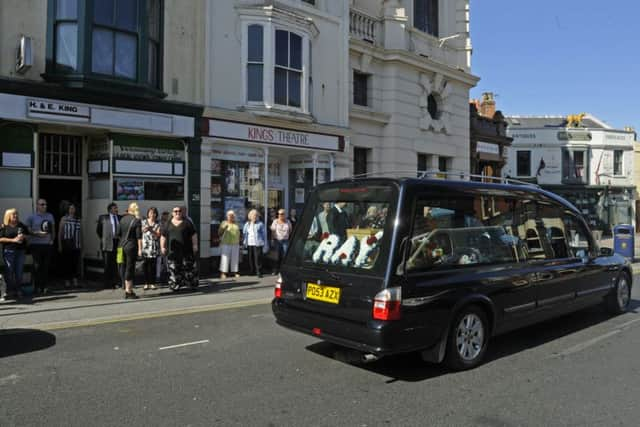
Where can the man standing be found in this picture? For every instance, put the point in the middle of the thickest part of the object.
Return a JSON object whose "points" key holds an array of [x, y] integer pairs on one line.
{"points": [[42, 229], [339, 221], [108, 230]]}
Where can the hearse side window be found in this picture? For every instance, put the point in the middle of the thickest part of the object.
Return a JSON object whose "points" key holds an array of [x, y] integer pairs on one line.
{"points": [[530, 230], [578, 241], [461, 230], [555, 230]]}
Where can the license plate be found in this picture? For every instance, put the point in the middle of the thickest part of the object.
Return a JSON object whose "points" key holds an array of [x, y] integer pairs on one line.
{"points": [[323, 293]]}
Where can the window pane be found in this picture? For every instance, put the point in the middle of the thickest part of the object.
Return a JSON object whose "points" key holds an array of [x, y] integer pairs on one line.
{"points": [[280, 87], [127, 14], [103, 12], [15, 183], [420, 14], [360, 88], [282, 48], [126, 55], [67, 46], [254, 82], [296, 52], [255, 43], [152, 76], [67, 9], [102, 51], [153, 15], [294, 88]]}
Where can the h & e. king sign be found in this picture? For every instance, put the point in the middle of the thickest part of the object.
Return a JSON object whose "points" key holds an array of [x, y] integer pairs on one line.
{"points": [[63, 111], [275, 136]]}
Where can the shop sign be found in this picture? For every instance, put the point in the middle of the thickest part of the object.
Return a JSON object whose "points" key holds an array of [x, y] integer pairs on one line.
{"points": [[486, 147], [574, 136], [42, 108], [123, 152], [276, 136]]}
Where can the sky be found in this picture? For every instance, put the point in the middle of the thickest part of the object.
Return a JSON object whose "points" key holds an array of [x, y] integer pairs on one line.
{"points": [[559, 57]]}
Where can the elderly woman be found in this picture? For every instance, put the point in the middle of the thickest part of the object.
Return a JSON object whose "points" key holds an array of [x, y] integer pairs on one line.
{"points": [[150, 247], [179, 242], [13, 236], [254, 238], [229, 245], [130, 240]]}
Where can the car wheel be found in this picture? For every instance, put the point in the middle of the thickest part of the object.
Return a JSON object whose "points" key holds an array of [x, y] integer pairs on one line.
{"points": [[618, 301], [468, 339]]}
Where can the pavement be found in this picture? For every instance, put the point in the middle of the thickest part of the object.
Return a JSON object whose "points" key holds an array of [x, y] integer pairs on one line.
{"points": [[66, 308]]}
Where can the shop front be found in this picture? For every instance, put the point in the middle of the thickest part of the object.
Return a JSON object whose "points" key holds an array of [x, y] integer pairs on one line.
{"points": [[258, 167], [90, 154]]}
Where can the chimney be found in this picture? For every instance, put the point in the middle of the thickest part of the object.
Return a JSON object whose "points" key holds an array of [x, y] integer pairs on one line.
{"points": [[487, 105]]}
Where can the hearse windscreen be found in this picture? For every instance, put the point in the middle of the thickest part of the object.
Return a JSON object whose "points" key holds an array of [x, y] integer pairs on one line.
{"points": [[346, 227]]}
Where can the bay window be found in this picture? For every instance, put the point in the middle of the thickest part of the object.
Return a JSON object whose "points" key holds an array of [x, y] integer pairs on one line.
{"points": [[106, 44], [275, 67]]}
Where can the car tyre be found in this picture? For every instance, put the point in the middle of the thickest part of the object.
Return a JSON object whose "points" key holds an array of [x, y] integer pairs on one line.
{"points": [[468, 339], [617, 302]]}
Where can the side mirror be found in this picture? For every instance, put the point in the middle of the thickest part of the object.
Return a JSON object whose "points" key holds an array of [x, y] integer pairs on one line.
{"points": [[606, 252]]}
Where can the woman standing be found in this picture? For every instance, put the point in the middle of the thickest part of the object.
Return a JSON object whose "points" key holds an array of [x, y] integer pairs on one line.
{"points": [[254, 237], [179, 242], [229, 245], [280, 231], [69, 245], [130, 240], [14, 242], [150, 247]]}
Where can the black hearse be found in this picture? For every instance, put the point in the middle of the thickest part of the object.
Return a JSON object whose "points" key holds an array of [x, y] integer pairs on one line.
{"points": [[385, 266]]}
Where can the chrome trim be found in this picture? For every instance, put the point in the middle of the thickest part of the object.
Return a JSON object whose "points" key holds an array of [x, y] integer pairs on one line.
{"points": [[557, 299], [594, 290], [521, 307]]}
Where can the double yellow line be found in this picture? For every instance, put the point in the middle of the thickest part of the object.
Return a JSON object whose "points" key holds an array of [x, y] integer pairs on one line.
{"points": [[151, 315]]}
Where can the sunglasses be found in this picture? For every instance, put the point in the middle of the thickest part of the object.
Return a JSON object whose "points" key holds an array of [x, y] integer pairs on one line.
{"points": [[177, 210], [42, 204]]}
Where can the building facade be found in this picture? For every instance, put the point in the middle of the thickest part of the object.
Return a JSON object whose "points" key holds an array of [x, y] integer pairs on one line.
{"points": [[276, 116], [92, 107], [489, 140], [580, 158], [410, 76]]}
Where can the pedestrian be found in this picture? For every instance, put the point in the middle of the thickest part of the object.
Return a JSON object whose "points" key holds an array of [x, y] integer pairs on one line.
{"points": [[281, 231], [13, 236], [161, 267], [130, 242], [194, 264], [150, 247], [339, 220], [69, 245], [229, 233], [108, 229], [293, 217], [179, 242], [254, 238], [41, 231]]}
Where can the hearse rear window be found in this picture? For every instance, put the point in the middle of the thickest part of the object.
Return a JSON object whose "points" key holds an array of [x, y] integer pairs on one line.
{"points": [[346, 227]]}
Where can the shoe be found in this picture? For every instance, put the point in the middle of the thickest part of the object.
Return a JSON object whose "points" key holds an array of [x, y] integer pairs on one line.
{"points": [[132, 295], [237, 274], [153, 287], [146, 287], [223, 276]]}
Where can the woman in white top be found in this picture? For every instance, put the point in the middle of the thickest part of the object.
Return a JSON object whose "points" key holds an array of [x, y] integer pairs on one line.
{"points": [[280, 231]]}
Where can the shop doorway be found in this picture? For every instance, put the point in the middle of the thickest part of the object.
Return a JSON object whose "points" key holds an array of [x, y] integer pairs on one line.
{"points": [[59, 193]]}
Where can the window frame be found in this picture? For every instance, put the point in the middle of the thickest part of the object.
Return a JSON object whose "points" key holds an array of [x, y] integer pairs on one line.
{"points": [[430, 22], [269, 28], [618, 162], [361, 81], [569, 162], [518, 170], [84, 76]]}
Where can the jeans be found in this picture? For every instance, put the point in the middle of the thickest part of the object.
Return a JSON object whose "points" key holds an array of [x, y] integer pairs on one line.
{"points": [[14, 265], [281, 247]]}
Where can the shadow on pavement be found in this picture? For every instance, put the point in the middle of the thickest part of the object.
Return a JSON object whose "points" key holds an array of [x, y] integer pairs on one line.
{"points": [[411, 368], [19, 341]]}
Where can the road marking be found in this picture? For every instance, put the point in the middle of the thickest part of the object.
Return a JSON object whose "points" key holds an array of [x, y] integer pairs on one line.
{"points": [[583, 345], [151, 315], [183, 345]]}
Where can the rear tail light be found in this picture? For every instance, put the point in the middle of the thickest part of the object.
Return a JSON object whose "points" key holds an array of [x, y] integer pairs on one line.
{"points": [[387, 304], [277, 291]]}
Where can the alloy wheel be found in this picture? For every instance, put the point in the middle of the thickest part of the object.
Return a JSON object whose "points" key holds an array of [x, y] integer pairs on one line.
{"points": [[469, 336]]}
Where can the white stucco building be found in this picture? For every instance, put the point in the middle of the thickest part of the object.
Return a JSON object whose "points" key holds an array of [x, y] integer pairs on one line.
{"points": [[589, 163], [410, 71]]}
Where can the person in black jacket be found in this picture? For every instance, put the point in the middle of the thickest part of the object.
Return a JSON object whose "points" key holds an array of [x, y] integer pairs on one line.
{"points": [[338, 220], [130, 239]]}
